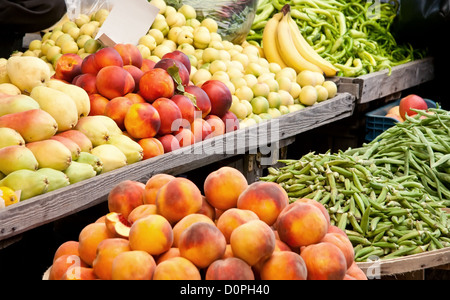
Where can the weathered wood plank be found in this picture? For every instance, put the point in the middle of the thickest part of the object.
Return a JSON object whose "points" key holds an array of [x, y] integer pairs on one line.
{"points": [[48, 207]]}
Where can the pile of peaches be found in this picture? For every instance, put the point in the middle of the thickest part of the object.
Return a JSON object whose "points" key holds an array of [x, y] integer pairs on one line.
{"points": [[152, 102], [166, 229]]}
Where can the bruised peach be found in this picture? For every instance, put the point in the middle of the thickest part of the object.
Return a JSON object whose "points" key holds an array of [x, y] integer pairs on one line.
{"points": [[133, 265], [117, 224], [343, 243], [231, 268], [172, 252], [69, 247], [152, 234], [176, 268], [126, 196], [79, 273], [202, 243], [178, 198], [142, 121], [113, 81], [301, 224], [284, 265], [253, 241], [155, 84], [230, 219], [141, 211], [266, 199], [172, 115], [169, 142], [98, 104], [130, 54], [153, 185], [62, 264], [107, 251], [90, 236], [324, 261], [355, 271], [224, 186], [116, 109], [187, 221], [152, 147]]}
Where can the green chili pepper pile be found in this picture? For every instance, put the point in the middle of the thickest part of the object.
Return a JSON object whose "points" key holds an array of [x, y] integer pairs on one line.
{"points": [[387, 195], [353, 35]]}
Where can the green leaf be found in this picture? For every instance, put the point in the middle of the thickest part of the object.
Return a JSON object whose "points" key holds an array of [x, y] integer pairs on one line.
{"points": [[175, 74], [192, 98]]}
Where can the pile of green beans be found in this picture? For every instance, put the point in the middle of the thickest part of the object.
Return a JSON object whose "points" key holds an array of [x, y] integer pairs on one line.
{"points": [[354, 35]]}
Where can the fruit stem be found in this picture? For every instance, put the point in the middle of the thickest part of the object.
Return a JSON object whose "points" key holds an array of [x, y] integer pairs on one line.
{"points": [[286, 9]]}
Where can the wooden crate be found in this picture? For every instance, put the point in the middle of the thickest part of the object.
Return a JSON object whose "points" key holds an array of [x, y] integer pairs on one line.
{"points": [[261, 138], [379, 85]]}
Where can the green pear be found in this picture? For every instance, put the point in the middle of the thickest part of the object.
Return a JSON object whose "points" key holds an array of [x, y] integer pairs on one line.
{"points": [[27, 72], [13, 158], [79, 96], [17, 103], [33, 125], [111, 157], [58, 104], [110, 124], [94, 129], [78, 171], [10, 137], [29, 183], [51, 154], [56, 179], [94, 161], [132, 150]]}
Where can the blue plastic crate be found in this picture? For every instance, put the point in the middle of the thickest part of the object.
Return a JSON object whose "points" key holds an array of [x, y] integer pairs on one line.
{"points": [[377, 123]]}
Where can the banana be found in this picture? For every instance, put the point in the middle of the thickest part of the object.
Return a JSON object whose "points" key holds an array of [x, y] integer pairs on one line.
{"points": [[308, 52], [288, 51], [270, 41]]}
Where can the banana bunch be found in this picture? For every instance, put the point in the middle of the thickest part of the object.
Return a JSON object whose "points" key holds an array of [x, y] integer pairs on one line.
{"points": [[284, 44]]}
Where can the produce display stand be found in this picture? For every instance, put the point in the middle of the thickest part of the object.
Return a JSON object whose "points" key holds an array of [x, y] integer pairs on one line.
{"points": [[55, 205], [378, 85]]}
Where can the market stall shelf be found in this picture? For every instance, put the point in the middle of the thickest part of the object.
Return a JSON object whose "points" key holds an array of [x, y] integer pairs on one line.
{"points": [[378, 85], [52, 206]]}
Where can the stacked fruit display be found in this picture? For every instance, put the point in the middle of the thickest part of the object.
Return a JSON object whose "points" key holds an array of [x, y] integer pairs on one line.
{"points": [[166, 229]]}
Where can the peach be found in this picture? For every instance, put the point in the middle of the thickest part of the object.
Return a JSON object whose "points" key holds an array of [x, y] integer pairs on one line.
{"points": [[101, 219], [155, 84], [219, 95], [130, 54], [335, 229], [224, 186], [176, 268], [125, 196], [117, 225], [107, 251], [319, 206], [253, 241], [231, 122], [181, 57], [79, 273], [89, 65], [202, 243], [141, 211], [69, 247], [343, 243], [107, 57], [90, 236], [185, 137], [68, 66], [355, 271], [169, 63], [152, 147], [187, 221], [87, 82], [64, 263], [114, 81], [201, 130], [230, 219], [169, 142], [324, 261], [284, 265], [186, 107], [207, 209], [98, 104], [217, 125], [147, 65], [231, 268], [133, 265], [202, 101], [301, 224], [281, 246], [136, 98], [177, 199], [117, 109], [142, 121], [266, 199], [152, 234], [153, 185], [171, 120], [172, 252], [136, 73]]}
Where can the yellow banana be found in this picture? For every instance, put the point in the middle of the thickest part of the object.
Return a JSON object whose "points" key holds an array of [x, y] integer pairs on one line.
{"points": [[289, 52], [307, 51], [269, 41]]}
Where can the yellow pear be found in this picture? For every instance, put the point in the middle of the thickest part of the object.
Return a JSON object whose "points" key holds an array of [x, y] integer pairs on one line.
{"points": [[10, 137], [51, 154], [4, 78], [10, 89], [132, 150], [110, 124], [58, 104], [27, 72], [78, 95], [17, 103], [94, 129], [111, 157], [13, 158]]}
